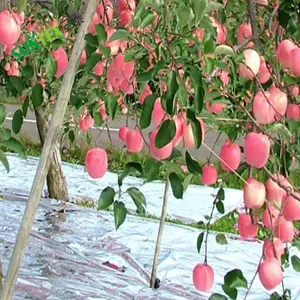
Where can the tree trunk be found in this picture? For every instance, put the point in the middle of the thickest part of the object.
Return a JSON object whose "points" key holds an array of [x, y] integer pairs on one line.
{"points": [[56, 181]]}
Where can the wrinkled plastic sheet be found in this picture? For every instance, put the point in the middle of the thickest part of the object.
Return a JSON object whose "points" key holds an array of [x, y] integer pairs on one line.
{"points": [[65, 256], [196, 204]]}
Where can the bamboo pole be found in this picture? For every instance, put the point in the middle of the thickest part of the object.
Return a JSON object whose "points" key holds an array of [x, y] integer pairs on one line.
{"points": [[159, 234], [42, 170]]}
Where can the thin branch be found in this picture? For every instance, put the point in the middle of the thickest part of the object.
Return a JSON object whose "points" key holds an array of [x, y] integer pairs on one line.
{"points": [[286, 188], [252, 281], [207, 227]]}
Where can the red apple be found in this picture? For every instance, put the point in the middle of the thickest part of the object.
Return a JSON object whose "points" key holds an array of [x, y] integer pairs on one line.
{"points": [[246, 228], [291, 209], [270, 216], [96, 162], [209, 175], [270, 273], [283, 52], [256, 149], [134, 141], [284, 230], [203, 277], [231, 156], [254, 194]]}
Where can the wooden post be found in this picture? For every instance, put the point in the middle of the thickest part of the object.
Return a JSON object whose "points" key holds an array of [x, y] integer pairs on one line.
{"points": [[160, 233], [42, 169]]}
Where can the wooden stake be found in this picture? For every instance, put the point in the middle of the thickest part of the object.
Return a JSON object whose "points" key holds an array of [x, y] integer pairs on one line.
{"points": [[42, 170], [160, 233]]}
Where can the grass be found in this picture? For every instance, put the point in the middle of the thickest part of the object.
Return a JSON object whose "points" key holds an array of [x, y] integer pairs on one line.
{"points": [[118, 160], [9, 100]]}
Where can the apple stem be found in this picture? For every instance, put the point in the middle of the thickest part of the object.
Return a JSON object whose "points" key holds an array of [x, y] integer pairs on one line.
{"points": [[159, 235]]}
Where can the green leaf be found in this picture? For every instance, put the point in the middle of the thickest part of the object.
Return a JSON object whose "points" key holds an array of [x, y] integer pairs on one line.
{"points": [[138, 198], [185, 16], [183, 93], [230, 291], [106, 198], [91, 40], [17, 83], [51, 67], [235, 279], [165, 133], [209, 46], [224, 50], [90, 50], [78, 4], [15, 146], [187, 181], [296, 243], [192, 165], [134, 53], [101, 33], [92, 61], [133, 169], [209, 65], [172, 88], [176, 185], [71, 135], [197, 82], [37, 95], [105, 50], [199, 7], [98, 118], [175, 154], [120, 213], [206, 23], [148, 19], [212, 6], [221, 65], [147, 110], [221, 239], [25, 106], [2, 113], [27, 71], [5, 133], [220, 207], [280, 129], [200, 241], [221, 194], [151, 168], [111, 104], [196, 128], [217, 296], [296, 263], [275, 296], [17, 121], [4, 161], [294, 125], [122, 35]]}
